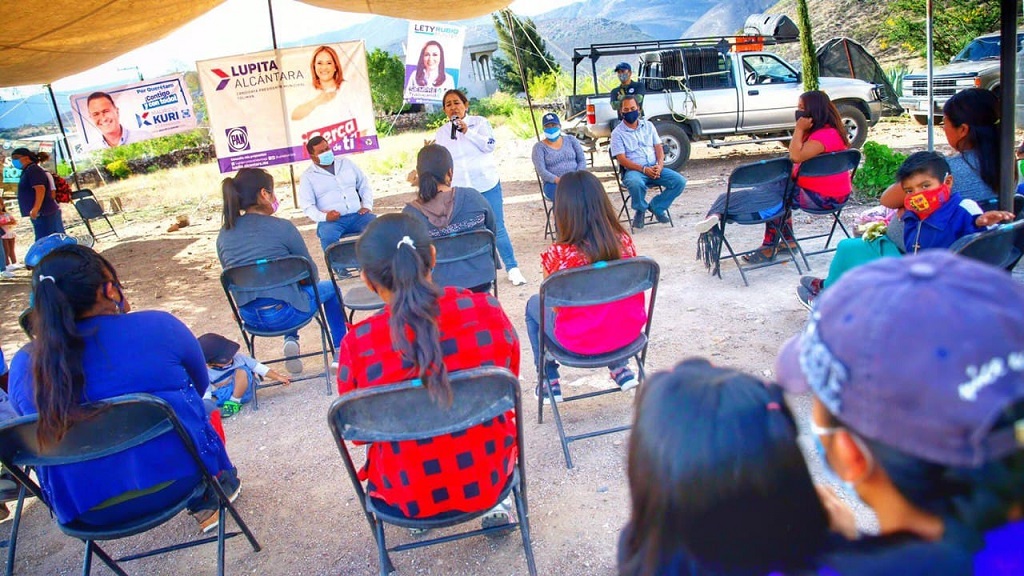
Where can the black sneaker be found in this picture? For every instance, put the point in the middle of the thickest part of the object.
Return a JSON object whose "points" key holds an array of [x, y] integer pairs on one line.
{"points": [[638, 219], [556, 391], [661, 216]]}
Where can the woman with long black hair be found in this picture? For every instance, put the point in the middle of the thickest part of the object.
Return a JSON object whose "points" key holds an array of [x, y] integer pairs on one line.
{"points": [[426, 332], [88, 348]]}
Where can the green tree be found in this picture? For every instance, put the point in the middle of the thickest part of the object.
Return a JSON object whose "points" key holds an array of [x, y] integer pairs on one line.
{"points": [[807, 56], [954, 24], [387, 81], [532, 50]]}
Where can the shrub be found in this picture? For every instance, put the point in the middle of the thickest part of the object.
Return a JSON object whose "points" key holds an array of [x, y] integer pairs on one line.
{"points": [[878, 170], [118, 169], [521, 124], [436, 119], [500, 104], [64, 169], [384, 127]]}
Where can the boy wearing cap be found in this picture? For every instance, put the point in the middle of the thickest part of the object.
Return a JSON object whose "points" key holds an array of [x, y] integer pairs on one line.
{"points": [[933, 217], [627, 87], [555, 156], [232, 375], [917, 369]]}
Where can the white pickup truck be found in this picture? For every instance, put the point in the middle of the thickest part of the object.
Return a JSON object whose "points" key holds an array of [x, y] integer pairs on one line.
{"points": [[709, 91]]}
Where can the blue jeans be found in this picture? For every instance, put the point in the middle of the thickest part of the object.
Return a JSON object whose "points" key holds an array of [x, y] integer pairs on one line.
{"points": [[533, 331], [272, 315], [672, 184], [549, 190], [346, 225], [48, 224], [508, 256]]}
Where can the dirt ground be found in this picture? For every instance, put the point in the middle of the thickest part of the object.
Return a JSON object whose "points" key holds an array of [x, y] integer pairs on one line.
{"points": [[296, 495]]}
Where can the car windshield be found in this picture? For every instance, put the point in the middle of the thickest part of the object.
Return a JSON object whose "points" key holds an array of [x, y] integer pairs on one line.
{"points": [[984, 49]]}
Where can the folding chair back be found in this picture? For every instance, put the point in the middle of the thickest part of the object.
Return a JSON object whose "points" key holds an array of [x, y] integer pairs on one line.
{"points": [[997, 247], [549, 208], [88, 207], [844, 161], [117, 425], [473, 250], [267, 274], [762, 174], [599, 283], [342, 263], [405, 411]]}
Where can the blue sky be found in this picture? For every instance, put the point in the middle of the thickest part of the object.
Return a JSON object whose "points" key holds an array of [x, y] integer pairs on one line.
{"points": [[292, 20]]}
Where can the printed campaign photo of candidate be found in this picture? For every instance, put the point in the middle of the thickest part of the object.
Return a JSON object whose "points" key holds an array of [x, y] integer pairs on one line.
{"points": [[133, 112], [432, 61]]}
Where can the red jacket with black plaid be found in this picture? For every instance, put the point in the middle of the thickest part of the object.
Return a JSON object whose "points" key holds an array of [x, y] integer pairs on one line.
{"points": [[458, 472]]}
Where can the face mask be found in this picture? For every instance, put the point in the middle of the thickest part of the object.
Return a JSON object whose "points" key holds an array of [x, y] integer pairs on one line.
{"points": [[119, 303], [552, 133], [926, 202], [274, 205], [798, 114], [16, 163], [623, 76], [325, 158], [631, 117]]}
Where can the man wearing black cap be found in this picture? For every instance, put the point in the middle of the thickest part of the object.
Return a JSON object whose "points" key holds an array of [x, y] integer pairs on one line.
{"points": [[35, 196], [627, 87]]}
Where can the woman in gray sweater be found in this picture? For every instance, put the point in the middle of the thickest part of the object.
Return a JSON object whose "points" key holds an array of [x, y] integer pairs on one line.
{"points": [[446, 211], [556, 155], [250, 232]]}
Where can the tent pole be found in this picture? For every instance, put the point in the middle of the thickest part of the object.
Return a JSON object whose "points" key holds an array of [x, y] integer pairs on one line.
{"points": [[931, 76], [64, 137], [1008, 79], [273, 39], [522, 72]]}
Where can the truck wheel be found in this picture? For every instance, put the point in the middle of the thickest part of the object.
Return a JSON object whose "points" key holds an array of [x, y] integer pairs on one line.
{"points": [[855, 122], [675, 143]]}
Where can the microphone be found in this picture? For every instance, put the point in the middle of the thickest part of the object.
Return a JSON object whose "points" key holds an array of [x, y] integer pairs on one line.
{"points": [[455, 125]]}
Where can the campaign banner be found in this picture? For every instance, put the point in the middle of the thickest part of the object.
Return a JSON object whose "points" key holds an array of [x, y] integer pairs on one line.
{"points": [[133, 112], [433, 55], [264, 106]]}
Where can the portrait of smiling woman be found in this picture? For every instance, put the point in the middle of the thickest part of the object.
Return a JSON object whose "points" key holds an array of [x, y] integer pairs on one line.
{"points": [[430, 68]]}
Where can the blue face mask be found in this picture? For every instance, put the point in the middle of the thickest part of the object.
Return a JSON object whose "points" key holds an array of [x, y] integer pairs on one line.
{"points": [[16, 162], [552, 133], [830, 475], [631, 117], [325, 158], [623, 76]]}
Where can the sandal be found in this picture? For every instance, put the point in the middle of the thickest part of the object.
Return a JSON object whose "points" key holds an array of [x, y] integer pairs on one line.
{"points": [[759, 257]]}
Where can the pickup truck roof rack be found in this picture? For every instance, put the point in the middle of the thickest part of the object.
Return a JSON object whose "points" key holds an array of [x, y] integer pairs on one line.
{"points": [[723, 43]]}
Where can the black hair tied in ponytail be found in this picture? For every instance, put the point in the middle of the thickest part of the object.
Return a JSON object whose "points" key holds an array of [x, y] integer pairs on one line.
{"points": [[395, 254]]}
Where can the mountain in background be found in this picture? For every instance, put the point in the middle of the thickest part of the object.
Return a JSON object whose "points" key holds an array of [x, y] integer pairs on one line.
{"points": [[726, 18]]}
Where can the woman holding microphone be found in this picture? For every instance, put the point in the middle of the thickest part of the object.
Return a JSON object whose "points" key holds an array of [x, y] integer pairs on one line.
{"points": [[470, 140]]}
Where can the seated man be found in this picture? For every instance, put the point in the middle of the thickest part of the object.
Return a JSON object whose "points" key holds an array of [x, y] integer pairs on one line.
{"points": [[918, 408], [335, 194], [627, 87], [637, 148]]}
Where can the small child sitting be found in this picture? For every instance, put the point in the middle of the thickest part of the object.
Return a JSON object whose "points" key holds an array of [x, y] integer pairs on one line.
{"points": [[934, 216], [232, 375]]}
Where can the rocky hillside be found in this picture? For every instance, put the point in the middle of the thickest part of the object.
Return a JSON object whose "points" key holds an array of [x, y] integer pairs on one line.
{"points": [[727, 17], [856, 19]]}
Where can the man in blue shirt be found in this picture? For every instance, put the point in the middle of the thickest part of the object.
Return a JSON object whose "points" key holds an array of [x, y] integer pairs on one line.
{"points": [[637, 148], [627, 87], [335, 194]]}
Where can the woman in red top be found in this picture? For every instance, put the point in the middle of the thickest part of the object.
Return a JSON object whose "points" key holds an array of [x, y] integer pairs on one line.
{"points": [[819, 130], [426, 332], [588, 231]]}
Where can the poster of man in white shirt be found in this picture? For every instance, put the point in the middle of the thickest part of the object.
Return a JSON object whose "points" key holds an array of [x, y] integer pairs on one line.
{"points": [[133, 112]]}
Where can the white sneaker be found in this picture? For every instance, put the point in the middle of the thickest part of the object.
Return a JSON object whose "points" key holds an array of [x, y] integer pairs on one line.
{"points": [[500, 515], [291, 349], [8, 274], [516, 277], [707, 224], [15, 266]]}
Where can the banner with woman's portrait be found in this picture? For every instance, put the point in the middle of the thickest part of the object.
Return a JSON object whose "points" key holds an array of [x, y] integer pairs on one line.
{"points": [[133, 112], [433, 55], [264, 106]]}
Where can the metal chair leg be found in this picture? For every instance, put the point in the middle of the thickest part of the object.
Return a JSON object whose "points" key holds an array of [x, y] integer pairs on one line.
{"points": [[386, 567], [12, 544], [558, 422], [524, 531]]}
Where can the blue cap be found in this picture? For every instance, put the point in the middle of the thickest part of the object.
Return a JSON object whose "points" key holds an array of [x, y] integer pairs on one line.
{"points": [[623, 66], [550, 118]]}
